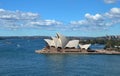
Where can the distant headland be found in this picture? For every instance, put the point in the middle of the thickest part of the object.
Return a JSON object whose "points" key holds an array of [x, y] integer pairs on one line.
{"points": [[64, 45]]}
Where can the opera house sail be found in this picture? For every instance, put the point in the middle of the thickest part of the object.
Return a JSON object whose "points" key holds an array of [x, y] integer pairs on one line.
{"points": [[60, 43], [72, 44], [86, 46]]}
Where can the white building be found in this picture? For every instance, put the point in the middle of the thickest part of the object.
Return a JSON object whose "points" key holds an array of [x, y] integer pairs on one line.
{"points": [[61, 41]]}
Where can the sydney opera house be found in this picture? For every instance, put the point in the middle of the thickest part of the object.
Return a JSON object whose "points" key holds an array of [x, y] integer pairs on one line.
{"points": [[60, 43]]}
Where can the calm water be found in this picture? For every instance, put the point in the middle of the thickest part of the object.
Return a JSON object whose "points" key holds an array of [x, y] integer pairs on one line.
{"points": [[17, 58]]}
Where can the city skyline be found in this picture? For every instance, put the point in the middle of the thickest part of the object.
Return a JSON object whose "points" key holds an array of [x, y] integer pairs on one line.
{"points": [[71, 18]]}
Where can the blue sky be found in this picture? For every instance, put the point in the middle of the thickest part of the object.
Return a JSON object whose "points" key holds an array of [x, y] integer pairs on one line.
{"points": [[69, 17]]}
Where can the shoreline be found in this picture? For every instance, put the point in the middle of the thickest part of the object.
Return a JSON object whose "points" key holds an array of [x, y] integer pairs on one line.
{"points": [[97, 52]]}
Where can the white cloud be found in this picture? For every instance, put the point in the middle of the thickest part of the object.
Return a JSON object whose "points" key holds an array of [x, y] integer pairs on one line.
{"points": [[115, 10], [113, 13], [17, 15], [96, 17], [2, 10], [113, 16], [18, 19], [98, 21], [46, 22], [81, 22], [90, 20], [110, 1]]}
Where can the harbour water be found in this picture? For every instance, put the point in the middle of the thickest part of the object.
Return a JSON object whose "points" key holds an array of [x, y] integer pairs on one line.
{"points": [[18, 58]]}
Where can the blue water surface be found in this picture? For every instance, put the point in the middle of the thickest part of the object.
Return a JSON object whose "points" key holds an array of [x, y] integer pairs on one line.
{"points": [[18, 58]]}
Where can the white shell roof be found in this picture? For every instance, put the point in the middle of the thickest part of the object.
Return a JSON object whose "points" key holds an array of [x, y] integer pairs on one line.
{"points": [[62, 41], [55, 40], [49, 41], [86, 46], [72, 43]]}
